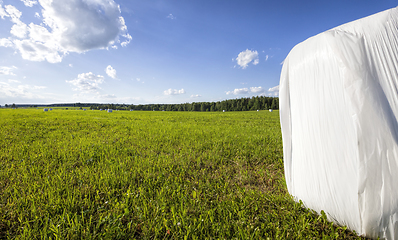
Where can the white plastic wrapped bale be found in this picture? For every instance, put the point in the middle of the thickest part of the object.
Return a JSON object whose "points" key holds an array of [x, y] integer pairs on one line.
{"points": [[338, 109]]}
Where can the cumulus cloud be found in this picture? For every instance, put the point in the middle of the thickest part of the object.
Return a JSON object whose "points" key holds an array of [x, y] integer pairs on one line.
{"points": [[110, 71], [274, 89], [257, 89], [13, 81], [29, 3], [37, 51], [13, 13], [196, 96], [238, 91], [174, 91], [19, 30], [108, 96], [7, 70], [3, 12], [127, 41], [20, 91], [87, 82], [4, 42], [67, 26], [246, 57], [88, 89]]}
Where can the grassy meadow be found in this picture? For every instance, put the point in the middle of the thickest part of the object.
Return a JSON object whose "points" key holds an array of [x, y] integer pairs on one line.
{"points": [[70, 174]]}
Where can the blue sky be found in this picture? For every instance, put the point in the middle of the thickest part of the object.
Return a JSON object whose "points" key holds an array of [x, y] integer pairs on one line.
{"points": [[156, 51]]}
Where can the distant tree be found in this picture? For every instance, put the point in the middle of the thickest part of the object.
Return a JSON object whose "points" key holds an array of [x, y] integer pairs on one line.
{"points": [[256, 104], [239, 105], [195, 106], [13, 105], [202, 107], [273, 104]]}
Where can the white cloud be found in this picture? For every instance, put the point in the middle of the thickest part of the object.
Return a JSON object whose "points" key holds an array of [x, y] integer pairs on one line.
{"points": [[29, 3], [3, 12], [67, 26], [19, 30], [245, 57], [83, 25], [87, 82], [238, 91], [37, 15], [37, 51], [171, 16], [274, 89], [39, 87], [196, 96], [257, 89], [174, 91], [266, 57], [110, 71], [7, 70], [20, 91], [4, 42], [70, 65], [108, 96], [128, 40], [13, 13], [13, 81]]}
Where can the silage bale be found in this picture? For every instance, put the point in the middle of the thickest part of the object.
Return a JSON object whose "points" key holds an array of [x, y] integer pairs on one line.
{"points": [[340, 138]]}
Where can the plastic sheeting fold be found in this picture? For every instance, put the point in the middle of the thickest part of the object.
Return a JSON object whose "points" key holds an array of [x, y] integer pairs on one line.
{"points": [[338, 109]]}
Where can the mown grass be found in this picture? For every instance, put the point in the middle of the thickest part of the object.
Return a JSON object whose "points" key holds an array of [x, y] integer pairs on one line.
{"points": [[70, 174]]}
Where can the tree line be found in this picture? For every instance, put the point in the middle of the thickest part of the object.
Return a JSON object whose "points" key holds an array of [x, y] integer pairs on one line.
{"points": [[241, 104]]}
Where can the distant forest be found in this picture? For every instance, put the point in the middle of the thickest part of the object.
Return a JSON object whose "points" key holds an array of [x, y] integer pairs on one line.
{"points": [[241, 104]]}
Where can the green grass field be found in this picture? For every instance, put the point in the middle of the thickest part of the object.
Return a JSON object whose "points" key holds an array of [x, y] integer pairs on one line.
{"points": [[67, 174]]}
